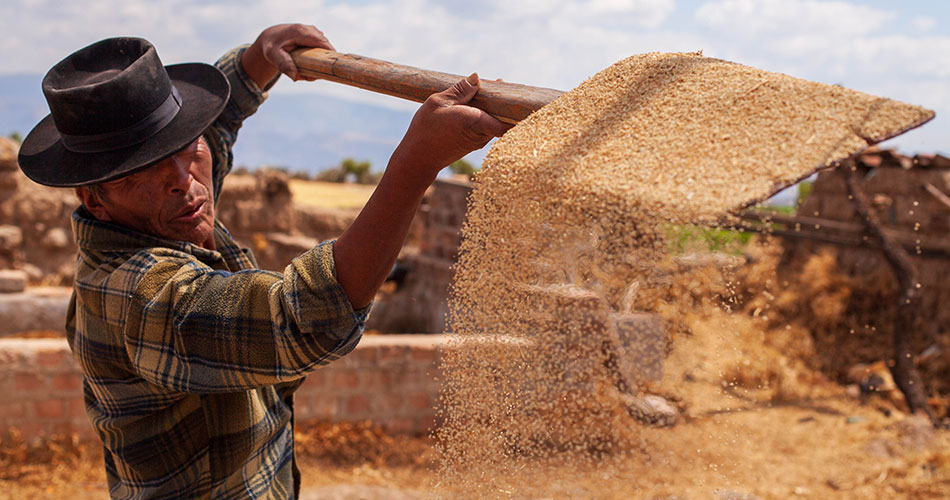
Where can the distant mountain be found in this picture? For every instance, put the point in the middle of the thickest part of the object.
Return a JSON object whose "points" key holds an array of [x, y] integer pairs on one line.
{"points": [[21, 103], [302, 132]]}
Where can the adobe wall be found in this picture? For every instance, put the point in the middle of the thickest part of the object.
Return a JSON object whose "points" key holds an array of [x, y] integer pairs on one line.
{"points": [[390, 380]]}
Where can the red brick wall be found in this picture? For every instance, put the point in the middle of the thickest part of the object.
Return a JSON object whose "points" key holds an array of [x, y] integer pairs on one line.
{"points": [[389, 380]]}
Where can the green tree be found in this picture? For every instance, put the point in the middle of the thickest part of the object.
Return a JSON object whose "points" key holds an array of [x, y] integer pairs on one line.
{"points": [[16, 137], [358, 169], [332, 174], [804, 190], [463, 167]]}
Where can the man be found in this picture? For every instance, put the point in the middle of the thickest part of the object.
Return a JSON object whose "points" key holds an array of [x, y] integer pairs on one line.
{"points": [[190, 354]]}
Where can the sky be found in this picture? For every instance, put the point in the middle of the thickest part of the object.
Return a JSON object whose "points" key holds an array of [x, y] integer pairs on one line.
{"points": [[894, 49]]}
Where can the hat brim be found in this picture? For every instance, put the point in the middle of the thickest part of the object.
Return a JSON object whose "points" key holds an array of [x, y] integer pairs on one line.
{"points": [[204, 91]]}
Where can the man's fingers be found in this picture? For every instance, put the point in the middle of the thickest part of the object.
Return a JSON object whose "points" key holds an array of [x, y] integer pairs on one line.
{"points": [[285, 63], [310, 36], [463, 91], [489, 126], [280, 40]]}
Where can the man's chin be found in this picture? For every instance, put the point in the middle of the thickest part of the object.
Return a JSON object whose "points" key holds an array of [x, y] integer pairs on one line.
{"points": [[198, 234]]}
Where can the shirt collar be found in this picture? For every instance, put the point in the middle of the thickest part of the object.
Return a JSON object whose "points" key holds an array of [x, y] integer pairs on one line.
{"points": [[96, 235]]}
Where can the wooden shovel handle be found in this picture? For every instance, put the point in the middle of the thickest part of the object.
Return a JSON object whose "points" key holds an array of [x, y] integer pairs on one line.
{"points": [[509, 102]]}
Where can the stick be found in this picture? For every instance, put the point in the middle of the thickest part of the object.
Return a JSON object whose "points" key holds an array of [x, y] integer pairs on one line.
{"points": [[904, 371], [508, 102], [837, 232]]}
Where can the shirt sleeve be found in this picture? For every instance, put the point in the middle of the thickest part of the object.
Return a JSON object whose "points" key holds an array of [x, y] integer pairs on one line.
{"points": [[194, 329], [245, 98]]}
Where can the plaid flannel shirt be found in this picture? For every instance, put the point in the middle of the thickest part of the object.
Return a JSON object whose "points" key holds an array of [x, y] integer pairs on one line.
{"points": [[191, 356]]}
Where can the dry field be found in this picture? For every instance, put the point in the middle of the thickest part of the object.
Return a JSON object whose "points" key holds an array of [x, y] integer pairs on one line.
{"points": [[330, 195]]}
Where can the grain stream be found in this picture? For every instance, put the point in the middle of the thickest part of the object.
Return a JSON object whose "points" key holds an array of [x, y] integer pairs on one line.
{"points": [[564, 272]]}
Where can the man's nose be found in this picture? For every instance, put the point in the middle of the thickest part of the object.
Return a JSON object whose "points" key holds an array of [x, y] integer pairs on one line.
{"points": [[178, 176]]}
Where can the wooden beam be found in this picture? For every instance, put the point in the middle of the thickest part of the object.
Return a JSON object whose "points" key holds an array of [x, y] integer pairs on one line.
{"points": [[938, 194], [837, 232]]}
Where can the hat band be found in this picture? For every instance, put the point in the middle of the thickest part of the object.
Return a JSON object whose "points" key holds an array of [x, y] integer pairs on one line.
{"points": [[129, 136]]}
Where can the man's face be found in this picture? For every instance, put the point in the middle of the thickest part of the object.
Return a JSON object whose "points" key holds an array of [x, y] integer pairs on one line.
{"points": [[172, 199]]}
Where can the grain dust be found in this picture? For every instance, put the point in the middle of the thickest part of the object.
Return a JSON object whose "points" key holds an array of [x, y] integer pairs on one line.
{"points": [[567, 300]]}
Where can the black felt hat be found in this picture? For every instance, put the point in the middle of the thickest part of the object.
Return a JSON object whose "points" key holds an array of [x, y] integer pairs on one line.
{"points": [[115, 109]]}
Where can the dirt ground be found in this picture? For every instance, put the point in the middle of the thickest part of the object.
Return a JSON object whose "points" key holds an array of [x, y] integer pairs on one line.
{"points": [[758, 424]]}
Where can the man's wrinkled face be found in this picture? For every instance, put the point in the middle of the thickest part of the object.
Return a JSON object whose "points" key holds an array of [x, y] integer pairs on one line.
{"points": [[172, 199]]}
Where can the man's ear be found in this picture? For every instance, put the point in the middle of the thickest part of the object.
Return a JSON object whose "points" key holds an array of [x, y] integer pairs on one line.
{"points": [[93, 203]]}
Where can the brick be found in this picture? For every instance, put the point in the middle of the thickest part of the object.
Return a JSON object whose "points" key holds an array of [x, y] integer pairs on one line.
{"points": [[425, 354], [400, 378], [426, 424], [326, 408], [50, 408], [12, 281], [399, 426], [384, 379], [345, 380], [363, 355], [392, 354], [317, 380], [70, 382], [12, 410], [367, 379], [76, 408], [28, 383], [419, 401], [392, 403], [356, 406], [52, 359]]}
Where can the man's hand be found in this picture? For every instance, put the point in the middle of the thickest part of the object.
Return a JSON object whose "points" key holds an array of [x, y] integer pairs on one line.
{"points": [[444, 130], [270, 53]]}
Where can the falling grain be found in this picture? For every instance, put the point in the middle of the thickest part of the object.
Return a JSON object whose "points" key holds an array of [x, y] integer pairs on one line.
{"points": [[564, 302]]}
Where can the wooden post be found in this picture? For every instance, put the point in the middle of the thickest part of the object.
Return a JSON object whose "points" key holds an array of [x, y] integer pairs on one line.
{"points": [[904, 371]]}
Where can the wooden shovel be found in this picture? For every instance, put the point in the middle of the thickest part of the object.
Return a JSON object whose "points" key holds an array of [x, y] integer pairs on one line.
{"points": [[508, 102]]}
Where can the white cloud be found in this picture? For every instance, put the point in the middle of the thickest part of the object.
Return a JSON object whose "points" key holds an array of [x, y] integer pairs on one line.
{"points": [[781, 18], [835, 42], [923, 24]]}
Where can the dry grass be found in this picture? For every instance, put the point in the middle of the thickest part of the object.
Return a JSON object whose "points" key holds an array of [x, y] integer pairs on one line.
{"points": [[330, 194]]}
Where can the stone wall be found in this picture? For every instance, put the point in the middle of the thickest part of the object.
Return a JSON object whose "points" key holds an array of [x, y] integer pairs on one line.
{"points": [[390, 380], [260, 213], [35, 232]]}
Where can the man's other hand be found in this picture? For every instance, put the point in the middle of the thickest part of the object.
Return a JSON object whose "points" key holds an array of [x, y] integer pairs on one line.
{"points": [[445, 129]]}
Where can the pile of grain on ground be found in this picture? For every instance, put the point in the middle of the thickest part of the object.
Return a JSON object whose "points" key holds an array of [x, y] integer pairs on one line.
{"points": [[565, 234]]}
